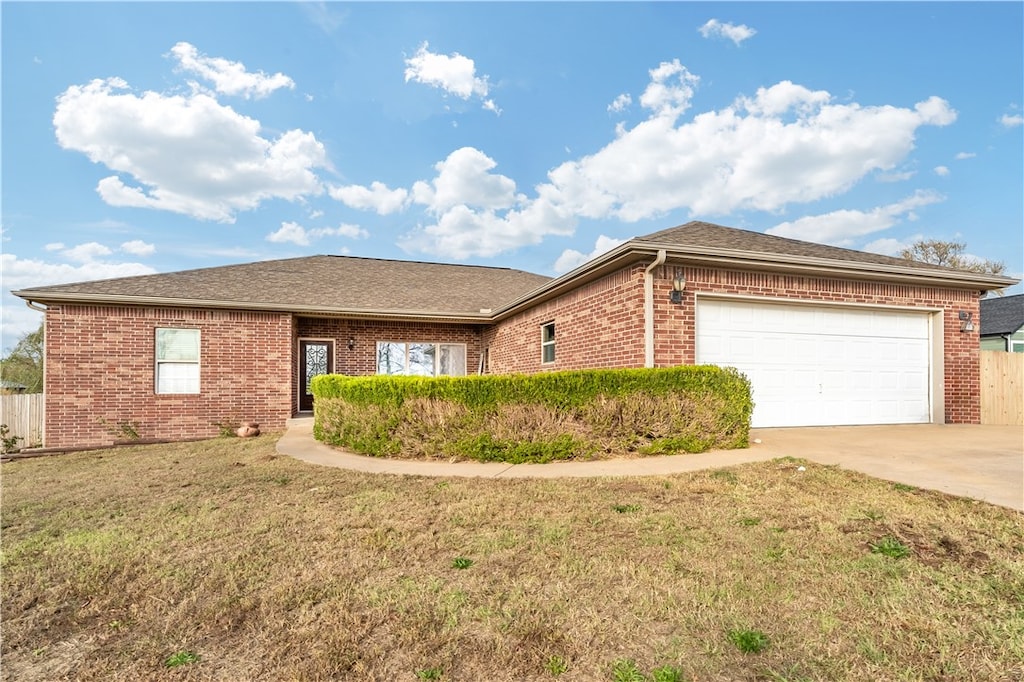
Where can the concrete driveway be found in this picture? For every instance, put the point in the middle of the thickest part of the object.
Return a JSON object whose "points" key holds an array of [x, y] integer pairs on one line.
{"points": [[981, 462]]}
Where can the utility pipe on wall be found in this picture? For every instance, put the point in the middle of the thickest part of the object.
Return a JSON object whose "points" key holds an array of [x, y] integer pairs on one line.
{"points": [[649, 309]]}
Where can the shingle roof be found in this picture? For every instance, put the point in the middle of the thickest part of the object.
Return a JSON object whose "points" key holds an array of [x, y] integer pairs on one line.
{"points": [[1002, 316], [327, 282], [368, 286], [701, 234]]}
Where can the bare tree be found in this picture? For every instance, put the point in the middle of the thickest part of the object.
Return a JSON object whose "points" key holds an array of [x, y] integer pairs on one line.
{"points": [[950, 255]]}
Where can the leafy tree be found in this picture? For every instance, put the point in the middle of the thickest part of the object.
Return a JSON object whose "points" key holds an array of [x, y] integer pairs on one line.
{"points": [[950, 255], [24, 364]]}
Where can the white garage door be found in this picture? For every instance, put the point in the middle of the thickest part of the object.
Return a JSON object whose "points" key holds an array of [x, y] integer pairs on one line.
{"points": [[821, 365]]}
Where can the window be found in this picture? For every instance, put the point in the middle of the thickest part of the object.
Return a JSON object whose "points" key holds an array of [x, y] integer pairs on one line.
{"points": [[547, 342], [177, 361], [421, 359], [1016, 346]]}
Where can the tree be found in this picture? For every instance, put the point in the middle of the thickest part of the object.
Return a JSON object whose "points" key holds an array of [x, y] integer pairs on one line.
{"points": [[950, 255], [24, 364]]}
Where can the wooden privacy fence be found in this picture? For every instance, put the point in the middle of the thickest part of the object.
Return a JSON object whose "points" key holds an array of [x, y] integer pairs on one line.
{"points": [[1002, 387], [23, 414]]}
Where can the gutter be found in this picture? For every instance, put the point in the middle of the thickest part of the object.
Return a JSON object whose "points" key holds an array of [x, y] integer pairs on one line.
{"points": [[32, 300], [649, 308]]}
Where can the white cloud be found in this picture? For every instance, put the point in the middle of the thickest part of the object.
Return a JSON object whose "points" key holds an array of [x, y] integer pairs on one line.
{"points": [[290, 232], [479, 213], [572, 259], [21, 273], [55, 246], [229, 78], [1011, 120], [454, 73], [86, 253], [137, 247], [840, 228], [941, 171], [965, 155], [895, 176], [464, 178], [787, 144], [377, 197], [189, 155], [670, 90], [783, 145], [296, 234], [620, 103], [887, 246], [714, 28]]}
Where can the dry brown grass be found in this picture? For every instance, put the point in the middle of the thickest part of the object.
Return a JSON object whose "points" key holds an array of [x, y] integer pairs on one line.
{"points": [[271, 569]]}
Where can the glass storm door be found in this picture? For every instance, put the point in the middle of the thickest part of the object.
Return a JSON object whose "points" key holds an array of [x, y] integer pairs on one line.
{"points": [[315, 358]]}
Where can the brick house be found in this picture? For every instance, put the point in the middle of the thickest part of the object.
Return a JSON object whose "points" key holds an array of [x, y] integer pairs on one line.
{"points": [[827, 336]]}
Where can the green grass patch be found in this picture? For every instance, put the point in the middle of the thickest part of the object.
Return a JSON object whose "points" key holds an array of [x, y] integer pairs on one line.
{"points": [[180, 658], [748, 641]]}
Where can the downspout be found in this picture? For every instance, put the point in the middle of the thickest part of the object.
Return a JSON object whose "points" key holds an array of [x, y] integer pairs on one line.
{"points": [[35, 306], [649, 309]]}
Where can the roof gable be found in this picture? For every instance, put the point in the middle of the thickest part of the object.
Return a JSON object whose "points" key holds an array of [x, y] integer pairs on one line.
{"points": [[1002, 315], [709, 235]]}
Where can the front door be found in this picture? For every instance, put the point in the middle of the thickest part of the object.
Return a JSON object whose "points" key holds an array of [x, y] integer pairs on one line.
{"points": [[315, 358]]}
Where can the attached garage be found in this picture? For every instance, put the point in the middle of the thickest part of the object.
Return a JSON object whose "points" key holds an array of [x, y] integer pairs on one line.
{"points": [[822, 365]]}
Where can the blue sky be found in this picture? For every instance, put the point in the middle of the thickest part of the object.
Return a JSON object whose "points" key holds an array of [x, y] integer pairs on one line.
{"points": [[141, 138]]}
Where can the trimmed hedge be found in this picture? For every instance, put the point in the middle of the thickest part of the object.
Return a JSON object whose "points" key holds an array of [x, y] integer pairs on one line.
{"points": [[536, 418]]}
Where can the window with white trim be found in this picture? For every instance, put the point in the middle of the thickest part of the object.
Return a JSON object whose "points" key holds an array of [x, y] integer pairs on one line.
{"points": [[421, 359], [547, 342], [177, 360]]}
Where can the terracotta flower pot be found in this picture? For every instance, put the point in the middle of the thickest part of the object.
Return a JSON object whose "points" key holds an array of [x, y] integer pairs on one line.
{"points": [[248, 430]]}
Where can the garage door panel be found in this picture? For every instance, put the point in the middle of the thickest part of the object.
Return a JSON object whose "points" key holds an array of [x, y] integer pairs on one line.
{"points": [[820, 365]]}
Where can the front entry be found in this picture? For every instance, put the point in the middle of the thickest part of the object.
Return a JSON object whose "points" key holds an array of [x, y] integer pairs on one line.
{"points": [[315, 358]]}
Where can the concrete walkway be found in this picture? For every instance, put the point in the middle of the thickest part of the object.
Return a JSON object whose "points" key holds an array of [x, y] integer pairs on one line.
{"points": [[982, 462]]}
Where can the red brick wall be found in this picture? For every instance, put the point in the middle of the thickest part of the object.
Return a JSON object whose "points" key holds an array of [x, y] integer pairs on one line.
{"points": [[100, 365], [601, 325]]}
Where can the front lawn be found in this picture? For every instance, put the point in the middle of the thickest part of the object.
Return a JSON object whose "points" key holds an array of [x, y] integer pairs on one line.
{"points": [[222, 561]]}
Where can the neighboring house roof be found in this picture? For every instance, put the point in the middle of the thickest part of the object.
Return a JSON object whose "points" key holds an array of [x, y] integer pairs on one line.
{"points": [[1002, 316], [341, 285]]}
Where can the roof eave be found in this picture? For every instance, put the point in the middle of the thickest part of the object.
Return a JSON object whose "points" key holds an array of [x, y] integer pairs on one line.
{"points": [[634, 250], [774, 261], [48, 298]]}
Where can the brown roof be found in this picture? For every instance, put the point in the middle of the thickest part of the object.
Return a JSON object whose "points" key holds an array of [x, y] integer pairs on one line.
{"points": [[390, 288], [328, 283], [704, 235]]}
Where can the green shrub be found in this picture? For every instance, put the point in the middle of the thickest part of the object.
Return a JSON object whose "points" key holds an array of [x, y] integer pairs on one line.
{"points": [[536, 418]]}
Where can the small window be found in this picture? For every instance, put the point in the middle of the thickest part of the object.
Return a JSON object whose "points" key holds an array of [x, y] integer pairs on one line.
{"points": [[1016, 346], [177, 361], [421, 359], [547, 342]]}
